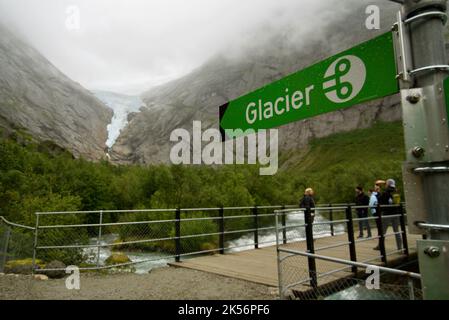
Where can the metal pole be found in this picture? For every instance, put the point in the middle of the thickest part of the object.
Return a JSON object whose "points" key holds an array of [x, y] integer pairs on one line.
{"points": [[278, 257], [5, 249], [351, 238], [331, 218], [35, 243], [380, 232], [403, 229], [310, 248], [221, 230], [178, 235], [426, 127], [284, 224], [256, 228], [428, 49], [411, 289], [99, 237]]}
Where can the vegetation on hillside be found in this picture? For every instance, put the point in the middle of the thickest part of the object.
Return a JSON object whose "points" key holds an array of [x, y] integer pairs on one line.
{"points": [[42, 177]]}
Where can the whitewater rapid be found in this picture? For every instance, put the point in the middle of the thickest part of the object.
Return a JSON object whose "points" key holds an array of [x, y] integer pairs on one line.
{"points": [[145, 261]]}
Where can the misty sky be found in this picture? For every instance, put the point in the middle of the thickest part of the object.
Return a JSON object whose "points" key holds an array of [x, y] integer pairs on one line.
{"points": [[127, 46]]}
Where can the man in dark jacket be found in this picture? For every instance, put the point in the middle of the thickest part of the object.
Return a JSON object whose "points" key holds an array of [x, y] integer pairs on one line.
{"points": [[386, 199], [308, 202], [361, 199]]}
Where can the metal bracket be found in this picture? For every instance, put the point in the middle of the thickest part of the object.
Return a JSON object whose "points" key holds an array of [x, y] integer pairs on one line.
{"points": [[427, 147], [432, 226], [433, 257], [431, 170], [403, 48], [430, 68], [430, 14], [402, 52], [425, 125]]}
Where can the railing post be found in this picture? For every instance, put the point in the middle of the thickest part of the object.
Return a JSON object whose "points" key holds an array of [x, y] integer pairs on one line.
{"points": [[310, 248], [351, 237], [256, 227], [284, 224], [99, 237], [178, 235], [380, 230], [35, 242], [5, 249], [331, 218], [221, 230], [403, 229]]}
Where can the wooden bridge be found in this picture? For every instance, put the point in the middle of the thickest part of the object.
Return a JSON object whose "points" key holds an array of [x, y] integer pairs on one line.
{"points": [[260, 265]]}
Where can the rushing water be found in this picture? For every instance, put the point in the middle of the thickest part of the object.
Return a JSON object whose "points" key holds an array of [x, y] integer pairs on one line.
{"points": [[268, 238], [245, 242], [151, 259]]}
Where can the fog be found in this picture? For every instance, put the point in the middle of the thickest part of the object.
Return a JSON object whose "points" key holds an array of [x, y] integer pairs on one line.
{"points": [[128, 46]]}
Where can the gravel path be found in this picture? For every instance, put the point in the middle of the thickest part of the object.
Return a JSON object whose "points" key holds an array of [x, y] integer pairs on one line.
{"points": [[160, 284]]}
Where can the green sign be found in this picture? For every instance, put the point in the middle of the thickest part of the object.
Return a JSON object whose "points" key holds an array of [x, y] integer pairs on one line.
{"points": [[363, 73]]}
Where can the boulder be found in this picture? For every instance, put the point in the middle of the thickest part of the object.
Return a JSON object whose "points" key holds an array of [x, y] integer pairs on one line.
{"points": [[117, 258], [40, 277], [55, 274]]}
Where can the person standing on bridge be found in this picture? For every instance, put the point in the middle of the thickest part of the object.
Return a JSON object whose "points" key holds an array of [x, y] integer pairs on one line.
{"points": [[361, 199], [374, 199], [387, 199], [308, 202]]}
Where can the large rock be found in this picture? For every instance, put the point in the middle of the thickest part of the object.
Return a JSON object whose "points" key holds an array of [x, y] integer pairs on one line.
{"points": [[58, 272], [117, 258], [37, 98], [40, 277]]}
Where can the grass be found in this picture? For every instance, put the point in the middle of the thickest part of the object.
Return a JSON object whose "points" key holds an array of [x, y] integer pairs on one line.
{"points": [[335, 165]]}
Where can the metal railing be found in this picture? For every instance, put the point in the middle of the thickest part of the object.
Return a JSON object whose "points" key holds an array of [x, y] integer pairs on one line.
{"points": [[89, 238], [401, 285], [15, 242], [307, 268]]}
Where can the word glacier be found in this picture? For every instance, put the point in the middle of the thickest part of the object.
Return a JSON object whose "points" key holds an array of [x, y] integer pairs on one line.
{"points": [[280, 105], [190, 150]]}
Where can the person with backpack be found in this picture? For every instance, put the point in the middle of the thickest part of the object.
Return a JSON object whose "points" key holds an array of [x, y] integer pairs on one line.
{"points": [[361, 199], [387, 198]]}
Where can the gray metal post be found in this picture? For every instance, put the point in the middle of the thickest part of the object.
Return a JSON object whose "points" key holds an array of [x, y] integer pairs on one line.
{"points": [[278, 256], [35, 242], [5, 249], [426, 128], [428, 49], [99, 238]]}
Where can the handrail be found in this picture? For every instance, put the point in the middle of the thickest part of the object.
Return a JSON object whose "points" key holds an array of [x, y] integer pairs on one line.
{"points": [[222, 216], [351, 263], [15, 224], [163, 210]]}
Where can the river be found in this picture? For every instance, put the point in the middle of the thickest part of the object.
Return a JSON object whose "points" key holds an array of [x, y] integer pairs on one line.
{"points": [[145, 261]]}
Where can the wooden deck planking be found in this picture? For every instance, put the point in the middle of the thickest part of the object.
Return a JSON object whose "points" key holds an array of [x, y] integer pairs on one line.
{"points": [[260, 265]]}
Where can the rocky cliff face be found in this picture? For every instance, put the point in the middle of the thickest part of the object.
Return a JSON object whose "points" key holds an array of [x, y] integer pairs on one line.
{"points": [[37, 97], [198, 95]]}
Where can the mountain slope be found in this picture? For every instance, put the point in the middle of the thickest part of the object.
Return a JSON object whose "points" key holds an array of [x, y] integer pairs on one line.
{"points": [[36, 96], [198, 95]]}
